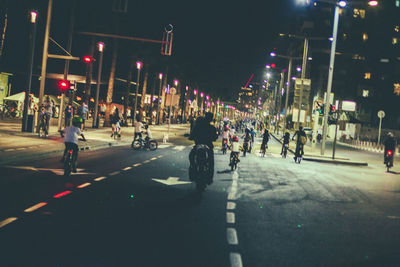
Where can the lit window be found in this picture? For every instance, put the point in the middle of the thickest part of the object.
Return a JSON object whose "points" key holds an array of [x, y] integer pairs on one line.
{"points": [[397, 3], [365, 93], [397, 28], [344, 36], [384, 60], [367, 75], [359, 13], [395, 41], [365, 37], [396, 89], [358, 57]]}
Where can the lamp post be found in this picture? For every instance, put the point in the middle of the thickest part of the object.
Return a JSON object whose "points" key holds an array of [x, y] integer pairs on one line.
{"points": [[96, 121], [197, 103], [202, 103], [160, 77], [33, 16], [138, 66]]}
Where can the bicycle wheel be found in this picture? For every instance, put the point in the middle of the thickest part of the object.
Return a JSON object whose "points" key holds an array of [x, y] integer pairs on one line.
{"points": [[153, 145], [136, 144]]}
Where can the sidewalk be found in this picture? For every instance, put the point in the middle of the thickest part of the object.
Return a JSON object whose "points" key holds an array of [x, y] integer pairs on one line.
{"points": [[340, 157], [16, 146]]}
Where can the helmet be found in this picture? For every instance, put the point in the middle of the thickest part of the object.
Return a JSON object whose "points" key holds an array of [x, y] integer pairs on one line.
{"points": [[235, 139], [76, 121]]}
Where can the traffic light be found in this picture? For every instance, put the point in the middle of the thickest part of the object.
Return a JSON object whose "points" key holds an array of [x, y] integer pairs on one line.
{"points": [[320, 109], [273, 65], [88, 59], [332, 109], [64, 85]]}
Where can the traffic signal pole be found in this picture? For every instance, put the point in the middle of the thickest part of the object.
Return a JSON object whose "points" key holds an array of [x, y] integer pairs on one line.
{"points": [[303, 75]]}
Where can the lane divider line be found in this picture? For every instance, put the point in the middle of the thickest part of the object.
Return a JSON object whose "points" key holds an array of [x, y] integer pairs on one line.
{"points": [[137, 164], [35, 207], [153, 158], [59, 195], [127, 168], [114, 173], [231, 236], [235, 259], [100, 178], [230, 205], [230, 217], [146, 161], [83, 185], [7, 221]]}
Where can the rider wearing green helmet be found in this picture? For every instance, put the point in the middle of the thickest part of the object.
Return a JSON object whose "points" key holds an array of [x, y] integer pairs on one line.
{"points": [[70, 135]]}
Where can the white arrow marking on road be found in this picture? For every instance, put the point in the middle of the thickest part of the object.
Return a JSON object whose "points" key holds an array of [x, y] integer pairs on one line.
{"points": [[179, 148], [55, 171], [171, 181], [164, 145]]}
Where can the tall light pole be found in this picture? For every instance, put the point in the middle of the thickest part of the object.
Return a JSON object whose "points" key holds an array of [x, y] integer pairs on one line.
{"points": [[96, 122], [160, 76], [138, 66], [202, 103], [30, 66]]}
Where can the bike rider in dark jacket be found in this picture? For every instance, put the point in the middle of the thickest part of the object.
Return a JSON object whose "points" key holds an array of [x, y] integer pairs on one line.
{"points": [[286, 141], [299, 144], [390, 144], [265, 140], [203, 133]]}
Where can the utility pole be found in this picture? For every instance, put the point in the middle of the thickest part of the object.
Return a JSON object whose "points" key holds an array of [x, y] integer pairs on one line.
{"points": [[96, 120], [45, 55], [128, 89], [89, 70], [110, 89], [287, 92], [303, 75], [279, 99]]}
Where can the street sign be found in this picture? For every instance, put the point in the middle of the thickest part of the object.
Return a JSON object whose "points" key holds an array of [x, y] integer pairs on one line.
{"points": [[348, 106], [381, 114]]}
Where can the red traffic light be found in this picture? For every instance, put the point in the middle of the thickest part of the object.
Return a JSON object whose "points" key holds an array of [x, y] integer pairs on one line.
{"points": [[63, 85], [273, 65], [87, 59]]}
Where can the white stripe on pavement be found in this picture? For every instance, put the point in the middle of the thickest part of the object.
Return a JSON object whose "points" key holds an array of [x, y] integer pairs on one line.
{"points": [[232, 236], [7, 221], [230, 217], [99, 178], [235, 259], [230, 205], [179, 148]]}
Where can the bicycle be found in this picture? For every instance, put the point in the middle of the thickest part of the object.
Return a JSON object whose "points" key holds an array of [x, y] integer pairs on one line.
{"points": [[263, 149], [285, 149], [69, 161], [299, 154], [150, 144]]}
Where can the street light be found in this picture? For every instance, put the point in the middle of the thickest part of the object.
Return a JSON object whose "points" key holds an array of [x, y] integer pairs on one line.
{"points": [[373, 3], [138, 66], [100, 48], [160, 77], [30, 66]]}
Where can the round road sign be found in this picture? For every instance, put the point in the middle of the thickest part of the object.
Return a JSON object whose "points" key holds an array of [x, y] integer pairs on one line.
{"points": [[381, 114]]}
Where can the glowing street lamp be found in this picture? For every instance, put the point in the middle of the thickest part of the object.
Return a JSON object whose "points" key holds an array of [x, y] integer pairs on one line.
{"points": [[272, 54], [176, 82], [373, 3], [160, 77], [138, 66]]}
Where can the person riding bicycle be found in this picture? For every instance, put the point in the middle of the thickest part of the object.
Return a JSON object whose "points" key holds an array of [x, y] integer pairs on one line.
{"points": [[247, 139], [115, 123], [235, 149], [148, 134], [265, 140], [301, 140], [390, 144], [225, 135], [286, 141], [203, 133], [138, 128], [70, 135]]}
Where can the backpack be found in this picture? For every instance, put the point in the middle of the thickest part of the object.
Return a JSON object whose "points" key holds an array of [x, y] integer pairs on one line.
{"points": [[303, 140]]}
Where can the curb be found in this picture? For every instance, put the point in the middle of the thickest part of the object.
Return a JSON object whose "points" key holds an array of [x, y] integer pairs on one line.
{"points": [[331, 161]]}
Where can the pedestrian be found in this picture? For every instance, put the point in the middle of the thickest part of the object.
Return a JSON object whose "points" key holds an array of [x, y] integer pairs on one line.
{"points": [[68, 115], [82, 112], [48, 112]]}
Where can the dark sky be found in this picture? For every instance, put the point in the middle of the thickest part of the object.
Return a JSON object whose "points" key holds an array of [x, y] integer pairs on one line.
{"points": [[217, 44]]}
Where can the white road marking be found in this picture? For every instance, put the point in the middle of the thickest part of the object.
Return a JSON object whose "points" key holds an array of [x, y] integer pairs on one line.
{"points": [[114, 173], [83, 185], [231, 236], [231, 196], [137, 164], [393, 217], [100, 178], [160, 156], [127, 168], [179, 148], [21, 148], [7, 221], [146, 161], [230, 217], [230, 205], [35, 207], [164, 145], [10, 149], [153, 158], [235, 259]]}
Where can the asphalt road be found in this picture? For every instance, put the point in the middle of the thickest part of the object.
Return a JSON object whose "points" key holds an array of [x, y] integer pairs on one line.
{"points": [[271, 212]]}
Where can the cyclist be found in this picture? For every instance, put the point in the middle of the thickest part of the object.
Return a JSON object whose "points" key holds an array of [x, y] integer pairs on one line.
{"points": [[252, 134], [390, 144], [246, 142], [265, 140], [203, 133], [225, 135], [301, 140], [70, 135], [138, 128], [235, 149], [286, 140], [115, 123], [148, 134]]}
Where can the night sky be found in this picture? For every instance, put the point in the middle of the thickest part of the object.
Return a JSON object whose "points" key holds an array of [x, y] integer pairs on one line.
{"points": [[217, 44]]}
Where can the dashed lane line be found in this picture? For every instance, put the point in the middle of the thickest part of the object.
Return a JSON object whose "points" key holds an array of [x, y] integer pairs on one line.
{"points": [[230, 217], [127, 168], [83, 185], [230, 205], [231, 236], [35, 207], [114, 173], [100, 178], [179, 148], [7, 221], [153, 158], [137, 164], [235, 259], [146, 161]]}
